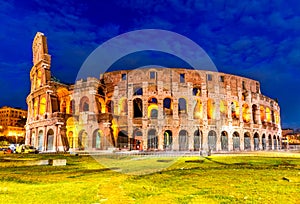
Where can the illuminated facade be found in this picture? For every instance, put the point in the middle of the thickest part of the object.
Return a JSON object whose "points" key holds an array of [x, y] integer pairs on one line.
{"points": [[12, 121], [149, 109]]}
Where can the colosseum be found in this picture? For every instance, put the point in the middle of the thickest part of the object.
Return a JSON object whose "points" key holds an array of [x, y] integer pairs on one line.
{"points": [[161, 109]]}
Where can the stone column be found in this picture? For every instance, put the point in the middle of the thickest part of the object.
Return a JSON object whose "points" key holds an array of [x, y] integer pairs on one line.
{"points": [[205, 139], [191, 138], [260, 142], [175, 145], [44, 148], [251, 142], [242, 146], [230, 141], [36, 137]]}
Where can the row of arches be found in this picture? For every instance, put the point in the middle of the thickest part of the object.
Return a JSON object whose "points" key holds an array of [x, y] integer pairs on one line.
{"points": [[259, 143], [99, 141]]}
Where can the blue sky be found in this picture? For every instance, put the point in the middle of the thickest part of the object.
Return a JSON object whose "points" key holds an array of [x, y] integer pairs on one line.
{"points": [[255, 39]]}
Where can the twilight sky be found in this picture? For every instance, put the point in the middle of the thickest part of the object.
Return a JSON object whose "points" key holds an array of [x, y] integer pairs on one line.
{"points": [[256, 39]]}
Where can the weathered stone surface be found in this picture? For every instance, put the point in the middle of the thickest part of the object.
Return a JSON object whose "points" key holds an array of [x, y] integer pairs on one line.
{"points": [[155, 109]]}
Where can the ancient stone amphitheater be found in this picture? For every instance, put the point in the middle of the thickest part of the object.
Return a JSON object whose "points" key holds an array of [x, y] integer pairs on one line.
{"points": [[149, 109]]}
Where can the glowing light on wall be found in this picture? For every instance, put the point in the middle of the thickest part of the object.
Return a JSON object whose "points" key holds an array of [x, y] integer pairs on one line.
{"points": [[115, 128], [276, 117], [39, 79], [223, 107], [211, 111], [42, 106], [268, 114], [262, 113], [198, 110], [35, 107], [235, 110], [150, 108], [246, 113]]}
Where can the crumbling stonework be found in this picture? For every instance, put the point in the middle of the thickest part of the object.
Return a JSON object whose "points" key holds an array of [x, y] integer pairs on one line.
{"points": [[149, 109]]}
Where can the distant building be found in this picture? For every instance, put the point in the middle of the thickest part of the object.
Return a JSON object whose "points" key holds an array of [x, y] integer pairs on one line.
{"points": [[12, 122], [291, 137], [150, 109]]}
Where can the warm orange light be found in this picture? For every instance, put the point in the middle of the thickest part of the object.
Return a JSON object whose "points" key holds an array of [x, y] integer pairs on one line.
{"points": [[268, 114], [235, 110], [262, 113], [115, 128], [246, 113], [35, 107], [198, 110], [276, 117], [150, 108], [42, 106], [223, 107], [210, 109]]}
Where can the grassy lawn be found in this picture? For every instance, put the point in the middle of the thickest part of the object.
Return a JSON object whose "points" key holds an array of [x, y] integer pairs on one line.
{"points": [[246, 178]]}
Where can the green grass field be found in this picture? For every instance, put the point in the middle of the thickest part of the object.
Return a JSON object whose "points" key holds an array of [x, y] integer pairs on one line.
{"points": [[268, 177]]}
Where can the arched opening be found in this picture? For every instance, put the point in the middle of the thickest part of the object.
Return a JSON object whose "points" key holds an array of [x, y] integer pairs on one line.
{"points": [[254, 114], [40, 140], [96, 139], [122, 140], [196, 91], [275, 142], [262, 113], [183, 140], [84, 104], [42, 106], [197, 140], [256, 141], [137, 108], [168, 140], [247, 141], [278, 143], [211, 109], [270, 141], [138, 91], [152, 142], [224, 141], [168, 108], [212, 140], [264, 142], [137, 140], [82, 140], [182, 106], [50, 138], [198, 109], [236, 141], [246, 113], [152, 108]]}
